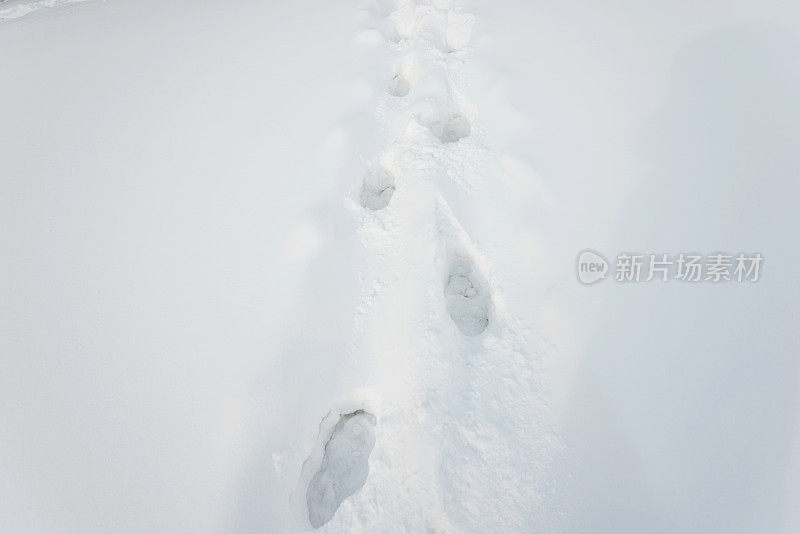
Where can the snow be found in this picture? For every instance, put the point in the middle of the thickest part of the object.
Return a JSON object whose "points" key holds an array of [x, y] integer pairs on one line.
{"points": [[344, 466], [466, 294], [13, 9], [281, 267], [378, 188]]}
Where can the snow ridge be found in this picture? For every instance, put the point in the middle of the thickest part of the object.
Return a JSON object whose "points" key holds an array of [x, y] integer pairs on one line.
{"points": [[14, 9]]}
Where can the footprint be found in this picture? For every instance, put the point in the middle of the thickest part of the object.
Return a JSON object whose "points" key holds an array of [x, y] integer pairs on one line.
{"points": [[451, 129], [398, 85], [377, 189], [460, 27], [467, 296], [410, 71], [344, 467], [406, 21], [386, 7]]}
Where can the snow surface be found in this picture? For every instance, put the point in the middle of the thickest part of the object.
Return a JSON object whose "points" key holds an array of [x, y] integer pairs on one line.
{"points": [[344, 466], [12, 9], [229, 226]]}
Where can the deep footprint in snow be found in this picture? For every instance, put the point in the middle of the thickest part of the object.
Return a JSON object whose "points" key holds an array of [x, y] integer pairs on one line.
{"points": [[451, 129], [377, 189], [344, 467], [467, 297], [398, 85]]}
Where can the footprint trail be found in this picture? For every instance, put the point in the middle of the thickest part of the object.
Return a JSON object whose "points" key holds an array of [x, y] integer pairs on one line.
{"points": [[464, 441]]}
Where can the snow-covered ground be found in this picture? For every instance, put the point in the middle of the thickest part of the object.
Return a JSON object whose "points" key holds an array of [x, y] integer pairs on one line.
{"points": [[271, 266], [13, 9]]}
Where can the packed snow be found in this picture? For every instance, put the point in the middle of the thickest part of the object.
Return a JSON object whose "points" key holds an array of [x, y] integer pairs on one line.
{"points": [[344, 466]]}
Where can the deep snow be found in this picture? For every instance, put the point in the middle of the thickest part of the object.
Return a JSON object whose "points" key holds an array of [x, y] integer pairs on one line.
{"points": [[272, 265]]}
